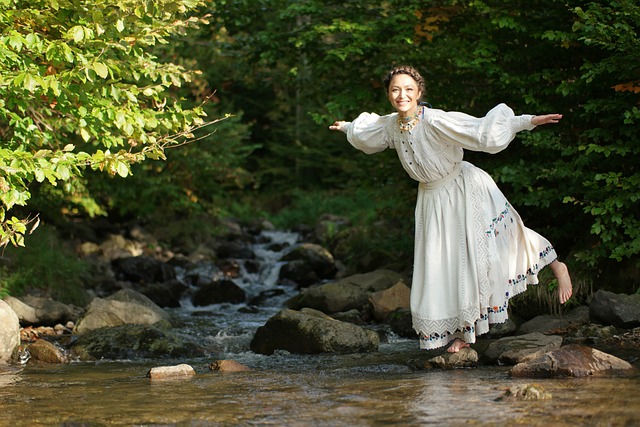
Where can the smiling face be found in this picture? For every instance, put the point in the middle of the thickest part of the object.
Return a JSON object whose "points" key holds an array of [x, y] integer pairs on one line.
{"points": [[404, 94]]}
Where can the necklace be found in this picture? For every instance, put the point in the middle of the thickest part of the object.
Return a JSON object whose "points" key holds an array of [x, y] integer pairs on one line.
{"points": [[408, 123]]}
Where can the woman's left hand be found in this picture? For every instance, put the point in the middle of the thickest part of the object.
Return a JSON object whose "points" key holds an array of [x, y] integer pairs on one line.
{"points": [[547, 118]]}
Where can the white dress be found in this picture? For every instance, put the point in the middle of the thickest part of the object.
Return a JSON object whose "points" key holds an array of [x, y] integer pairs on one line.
{"points": [[472, 250]]}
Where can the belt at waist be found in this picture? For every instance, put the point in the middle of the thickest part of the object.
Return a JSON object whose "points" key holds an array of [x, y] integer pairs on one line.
{"points": [[432, 185]]}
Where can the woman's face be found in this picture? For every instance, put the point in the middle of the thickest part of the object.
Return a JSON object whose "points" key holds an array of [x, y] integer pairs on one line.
{"points": [[404, 94]]}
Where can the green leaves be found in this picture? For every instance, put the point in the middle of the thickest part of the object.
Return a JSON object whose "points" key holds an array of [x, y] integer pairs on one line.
{"points": [[75, 82]]}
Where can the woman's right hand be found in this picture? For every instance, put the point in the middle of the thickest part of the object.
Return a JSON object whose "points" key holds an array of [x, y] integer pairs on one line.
{"points": [[338, 125]]}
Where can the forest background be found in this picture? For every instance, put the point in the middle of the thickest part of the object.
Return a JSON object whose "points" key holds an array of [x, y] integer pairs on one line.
{"points": [[178, 113]]}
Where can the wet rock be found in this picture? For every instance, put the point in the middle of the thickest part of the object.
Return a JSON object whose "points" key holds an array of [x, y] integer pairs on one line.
{"points": [[234, 249], [165, 294], [218, 292], [48, 352], [308, 264], [465, 358], [9, 332], [507, 327], [228, 366], [555, 324], [346, 294], [310, 332], [171, 372], [570, 361], [264, 296], [142, 270], [387, 301], [619, 310], [525, 392], [33, 310], [123, 307], [401, 323], [512, 350], [133, 342], [352, 316]]}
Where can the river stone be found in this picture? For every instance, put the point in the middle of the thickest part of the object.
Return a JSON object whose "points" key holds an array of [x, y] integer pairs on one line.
{"points": [[228, 366], [9, 332], [346, 294], [465, 358], [45, 351], [387, 301], [171, 372], [218, 292], [525, 392], [33, 310], [133, 342], [309, 332], [308, 264], [142, 269], [572, 360], [123, 307], [511, 350], [619, 310], [550, 323]]}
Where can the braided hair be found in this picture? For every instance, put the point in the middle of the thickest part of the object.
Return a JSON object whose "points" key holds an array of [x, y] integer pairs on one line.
{"points": [[405, 69]]}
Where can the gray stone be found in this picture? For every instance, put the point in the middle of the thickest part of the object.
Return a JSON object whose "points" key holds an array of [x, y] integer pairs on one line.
{"points": [[465, 358], [123, 307], [308, 264], [40, 311], [619, 310], [310, 331], [346, 294], [570, 361], [9, 332], [511, 350], [551, 323]]}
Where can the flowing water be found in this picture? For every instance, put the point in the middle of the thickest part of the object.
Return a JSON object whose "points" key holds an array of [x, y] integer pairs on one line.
{"points": [[373, 389]]}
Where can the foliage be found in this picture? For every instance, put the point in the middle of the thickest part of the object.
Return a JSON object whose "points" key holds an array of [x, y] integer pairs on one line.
{"points": [[79, 89], [32, 268]]}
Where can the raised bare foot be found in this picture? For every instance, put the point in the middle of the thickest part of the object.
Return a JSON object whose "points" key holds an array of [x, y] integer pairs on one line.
{"points": [[565, 289], [456, 345]]}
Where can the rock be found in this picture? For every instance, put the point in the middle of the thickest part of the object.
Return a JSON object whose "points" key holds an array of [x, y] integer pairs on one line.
{"points": [[570, 361], [171, 372], [512, 350], [123, 307], [387, 301], [525, 392], [507, 327], [352, 316], [234, 249], [465, 358], [619, 310], [228, 366], [133, 342], [310, 332], [33, 310], [9, 332], [346, 294], [165, 294], [308, 264], [554, 324], [401, 323], [218, 292], [45, 351], [142, 269]]}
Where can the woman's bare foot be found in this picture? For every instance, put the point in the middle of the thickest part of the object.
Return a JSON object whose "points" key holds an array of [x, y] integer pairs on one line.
{"points": [[565, 289], [456, 345]]}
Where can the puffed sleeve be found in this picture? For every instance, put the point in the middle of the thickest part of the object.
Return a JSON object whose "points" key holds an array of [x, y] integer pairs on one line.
{"points": [[367, 133], [491, 133]]}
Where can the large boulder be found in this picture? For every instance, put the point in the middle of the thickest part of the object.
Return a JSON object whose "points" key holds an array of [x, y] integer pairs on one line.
{"points": [[142, 269], [133, 342], [123, 307], [308, 264], [389, 300], [619, 310], [553, 323], [346, 294], [309, 332], [9, 332], [40, 311], [217, 292], [570, 361], [512, 350]]}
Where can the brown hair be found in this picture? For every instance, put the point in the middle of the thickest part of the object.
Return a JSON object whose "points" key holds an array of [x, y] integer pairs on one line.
{"points": [[405, 69]]}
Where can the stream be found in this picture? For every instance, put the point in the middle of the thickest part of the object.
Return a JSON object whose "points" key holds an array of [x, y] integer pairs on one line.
{"points": [[365, 389]]}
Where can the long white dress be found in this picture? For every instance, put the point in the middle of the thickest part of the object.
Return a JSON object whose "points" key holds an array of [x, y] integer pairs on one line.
{"points": [[472, 250]]}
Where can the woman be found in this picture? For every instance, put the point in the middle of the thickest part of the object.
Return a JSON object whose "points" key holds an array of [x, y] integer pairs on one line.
{"points": [[472, 250]]}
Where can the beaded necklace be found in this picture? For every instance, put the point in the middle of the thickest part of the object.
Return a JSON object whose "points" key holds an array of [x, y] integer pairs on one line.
{"points": [[408, 123]]}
